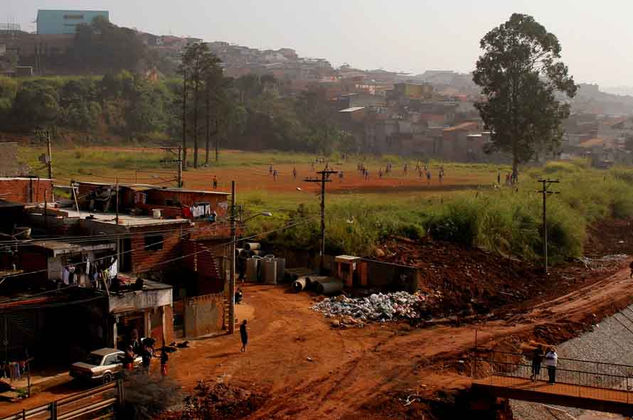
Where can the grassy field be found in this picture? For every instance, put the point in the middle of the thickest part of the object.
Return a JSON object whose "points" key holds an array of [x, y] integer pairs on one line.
{"points": [[466, 207]]}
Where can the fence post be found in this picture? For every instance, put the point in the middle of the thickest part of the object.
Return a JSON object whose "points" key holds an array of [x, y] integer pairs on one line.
{"points": [[120, 391], [53, 409]]}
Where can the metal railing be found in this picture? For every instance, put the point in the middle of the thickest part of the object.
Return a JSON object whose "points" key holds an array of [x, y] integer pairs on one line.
{"points": [[575, 377], [99, 399]]}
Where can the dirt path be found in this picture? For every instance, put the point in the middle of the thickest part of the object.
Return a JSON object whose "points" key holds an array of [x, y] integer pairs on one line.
{"points": [[350, 370], [310, 370]]}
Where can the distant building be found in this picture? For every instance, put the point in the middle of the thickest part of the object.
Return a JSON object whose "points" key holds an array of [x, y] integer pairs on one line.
{"points": [[59, 22]]}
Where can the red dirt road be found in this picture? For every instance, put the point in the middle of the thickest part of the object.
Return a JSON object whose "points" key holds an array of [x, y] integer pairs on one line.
{"points": [[310, 370]]}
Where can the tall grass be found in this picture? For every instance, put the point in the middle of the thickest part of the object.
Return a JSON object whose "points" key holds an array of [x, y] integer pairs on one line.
{"points": [[504, 220]]}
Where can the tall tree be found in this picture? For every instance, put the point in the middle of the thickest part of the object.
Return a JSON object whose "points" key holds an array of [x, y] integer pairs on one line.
{"points": [[214, 94], [197, 65], [521, 74]]}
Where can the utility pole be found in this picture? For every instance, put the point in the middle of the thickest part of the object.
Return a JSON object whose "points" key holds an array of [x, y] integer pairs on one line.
{"points": [[49, 161], [545, 191], [325, 177], [232, 259], [117, 201], [179, 166], [179, 162]]}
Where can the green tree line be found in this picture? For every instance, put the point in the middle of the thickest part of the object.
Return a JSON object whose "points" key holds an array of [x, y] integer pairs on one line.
{"points": [[200, 109]]}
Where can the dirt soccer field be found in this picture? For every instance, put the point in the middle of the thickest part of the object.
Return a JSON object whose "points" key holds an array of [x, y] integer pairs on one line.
{"points": [[252, 171]]}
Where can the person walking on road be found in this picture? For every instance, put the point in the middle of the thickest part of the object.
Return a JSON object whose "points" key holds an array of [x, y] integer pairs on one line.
{"points": [[215, 182], [243, 336], [551, 360], [537, 359]]}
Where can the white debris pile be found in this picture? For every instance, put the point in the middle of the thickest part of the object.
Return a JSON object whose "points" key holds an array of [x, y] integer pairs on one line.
{"points": [[376, 307]]}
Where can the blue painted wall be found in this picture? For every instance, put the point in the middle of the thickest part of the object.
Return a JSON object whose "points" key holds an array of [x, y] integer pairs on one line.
{"points": [[54, 22]]}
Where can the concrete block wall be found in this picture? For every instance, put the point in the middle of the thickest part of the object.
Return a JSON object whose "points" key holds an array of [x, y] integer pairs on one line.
{"points": [[204, 315]]}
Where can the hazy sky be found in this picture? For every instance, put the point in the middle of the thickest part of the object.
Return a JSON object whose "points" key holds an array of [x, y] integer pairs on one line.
{"points": [[403, 35]]}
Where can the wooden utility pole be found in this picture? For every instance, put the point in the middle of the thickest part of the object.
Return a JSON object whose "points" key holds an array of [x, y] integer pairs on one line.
{"points": [[325, 177], [178, 161], [49, 160], [232, 259], [117, 201], [179, 166], [545, 192]]}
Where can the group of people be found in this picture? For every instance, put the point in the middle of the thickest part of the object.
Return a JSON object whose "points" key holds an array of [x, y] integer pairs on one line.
{"points": [[551, 361], [145, 349]]}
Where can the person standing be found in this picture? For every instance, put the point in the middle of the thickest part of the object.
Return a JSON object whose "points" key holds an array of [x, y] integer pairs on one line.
{"points": [[294, 173], [243, 336], [128, 358], [551, 360], [164, 358], [537, 359], [215, 182], [631, 267], [146, 357]]}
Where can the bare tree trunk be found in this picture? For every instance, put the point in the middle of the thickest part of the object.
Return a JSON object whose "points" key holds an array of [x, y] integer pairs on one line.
{"points": [[208, 129], [184, 120], [195, 121], [217, 141]]}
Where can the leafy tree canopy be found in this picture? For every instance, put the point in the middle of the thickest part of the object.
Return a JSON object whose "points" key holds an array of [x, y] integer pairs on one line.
{"points": [[521, 74]]}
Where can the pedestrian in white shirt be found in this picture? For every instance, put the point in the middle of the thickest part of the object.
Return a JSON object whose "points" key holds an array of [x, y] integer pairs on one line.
{"points": [[551, 360]]}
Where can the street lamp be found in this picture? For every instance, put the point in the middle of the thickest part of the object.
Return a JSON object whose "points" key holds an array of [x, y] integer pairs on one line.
{"points": [[263, 213]]}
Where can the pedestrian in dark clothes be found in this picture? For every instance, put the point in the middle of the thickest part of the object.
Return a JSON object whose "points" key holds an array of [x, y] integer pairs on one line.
{"points": [[164, 358], [243, 335], [537, 359], [631, 267], [146, 357]]}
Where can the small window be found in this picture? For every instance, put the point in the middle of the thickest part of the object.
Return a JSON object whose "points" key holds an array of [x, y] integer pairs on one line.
{"points": [[153, 242], [75, 17]]}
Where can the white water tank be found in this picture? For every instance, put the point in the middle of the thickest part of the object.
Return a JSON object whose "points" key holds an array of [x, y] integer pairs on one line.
{"points": [[252, 269], [269, 270]]}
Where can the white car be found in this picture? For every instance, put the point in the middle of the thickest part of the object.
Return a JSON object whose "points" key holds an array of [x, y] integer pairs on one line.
{"points": [[101, 365]]}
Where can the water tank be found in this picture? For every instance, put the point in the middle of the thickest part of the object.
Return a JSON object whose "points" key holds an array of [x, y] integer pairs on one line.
{"points": [[281, 268], [269, 270], [252, 269]]}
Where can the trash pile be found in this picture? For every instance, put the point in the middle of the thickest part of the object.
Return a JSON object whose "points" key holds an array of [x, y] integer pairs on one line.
{"points": [[377, 307]]}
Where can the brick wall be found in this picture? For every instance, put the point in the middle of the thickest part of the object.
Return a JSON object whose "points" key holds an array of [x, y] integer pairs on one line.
{"points": [[204, 315], [146, 259], [202, 260], [26, 190]]}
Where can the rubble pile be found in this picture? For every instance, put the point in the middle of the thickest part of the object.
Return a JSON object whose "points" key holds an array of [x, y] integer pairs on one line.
{"points": [[377, 307]]}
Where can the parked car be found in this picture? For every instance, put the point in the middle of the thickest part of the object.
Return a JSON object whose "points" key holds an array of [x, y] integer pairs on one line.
{"points": [[101, 365]]}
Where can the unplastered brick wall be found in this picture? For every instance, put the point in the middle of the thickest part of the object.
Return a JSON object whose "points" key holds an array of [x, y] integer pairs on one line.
{"points": [[26, 190], [167, 245]]}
